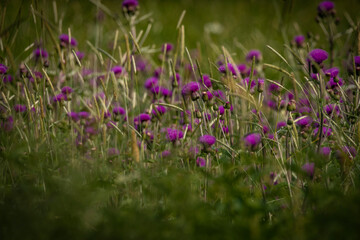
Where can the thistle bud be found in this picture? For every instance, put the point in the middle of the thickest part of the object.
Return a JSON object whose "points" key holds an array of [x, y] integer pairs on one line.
{"points": [[291, 106]]}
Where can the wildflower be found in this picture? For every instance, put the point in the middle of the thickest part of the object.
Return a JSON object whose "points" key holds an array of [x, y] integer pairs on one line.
{"points": [[66, 90], [260, 85], [65, 41], [242, 69], [80, 55], [118, 111], [165, 154], [60, 97], [304, 110], [160, 110], [332, 72], [304, 122], [168, 48], [219, 94], [325, 131], [37, 75], [280, 125], [117, 70], [205, 81], [318, 56], [200, 162], [207, 140], [252, 141], [74, 116], [190, 89], [230, 67], [325, 151], [299, 41], [178, 79], [7, 79], [246, 83], [151, 82], [309, 169], [165, 92], [254, 53], [173, 135], [3, 69], [40, 52], [274, 88], [326, 8], [20, 108], [84, 115], [221, 110]]}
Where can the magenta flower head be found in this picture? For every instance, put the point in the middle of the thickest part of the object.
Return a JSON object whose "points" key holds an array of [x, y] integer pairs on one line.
{"points": [[207, 141], [190, 89], [254, 53], [118, 111], [326, 8], [318, 56], [205, 81], [74, 116], [151, 82], [160, 110], [66, 90], [20, 108], [332, 72], [169, 47], [230, 67], [200, 162], [173, 134], [84, 115], [325, 151], [165, 92], [304, 122], [65, 41], [3, 69], [130, 6], [280, 125], [8, 79], [80, 55], [40, 52], [252, 141], [309, 169], [325, 132], [299, 41], [117, 70]]}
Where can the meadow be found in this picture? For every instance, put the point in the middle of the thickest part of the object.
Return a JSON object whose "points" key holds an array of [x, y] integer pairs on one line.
{"points": [[179, 119]]}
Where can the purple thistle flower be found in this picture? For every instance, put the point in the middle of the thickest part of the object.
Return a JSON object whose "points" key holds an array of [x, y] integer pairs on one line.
{"points": [[158, 71], [252, 141], [169, 47], [37, 75], [209, 95], [117, 70], [64, 40], [3, 68], [190, 88], [221, 110], [178, 78], [329, 109], [74, 116], [304, 110], [299, 41], [207, 140], [309, 169], [20, 108], [90, 130], [242, 69], [331, 84], [40, 52], [306, 121], [200, 162], [325, 7], [349, 151], [165, 92], [118, 111], [260, 85], [325, 151], [205, 81], [280, 125], [80, 55], [318, 55], [66, 90], [253, 53], [159, 110], [274, 88], [84, 115], [60, 97], [246, 83], [7, 79], [130, 3], [219, 94], [143, 117], [173, 134], [326, 132], [231, 68], [155, 90], [151, 82], [357, 61], [332, 72]]}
